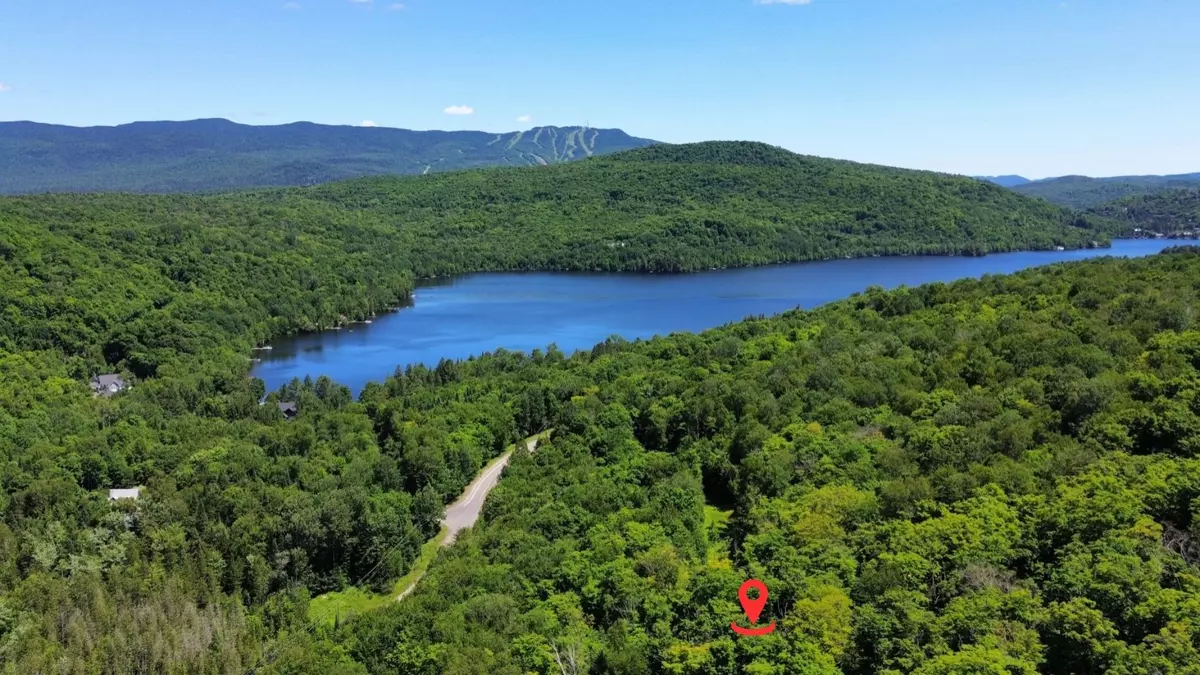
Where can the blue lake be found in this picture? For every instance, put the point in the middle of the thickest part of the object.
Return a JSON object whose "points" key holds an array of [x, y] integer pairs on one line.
{"points": [[476, 313]]}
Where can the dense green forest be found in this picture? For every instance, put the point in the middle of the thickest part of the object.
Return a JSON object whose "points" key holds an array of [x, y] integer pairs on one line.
{"points": [[994, 476], [216, 154], [244, 515], [1084, 192], [680, 208], [1167, 212], [665, 208]]}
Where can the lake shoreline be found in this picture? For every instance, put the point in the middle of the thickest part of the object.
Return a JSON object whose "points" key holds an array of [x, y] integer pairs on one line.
{"points": [[434, 279], [444, 279], [460, 316]]}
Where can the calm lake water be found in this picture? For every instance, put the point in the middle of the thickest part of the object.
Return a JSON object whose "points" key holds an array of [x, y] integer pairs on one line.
{"points": [[477, 313]]}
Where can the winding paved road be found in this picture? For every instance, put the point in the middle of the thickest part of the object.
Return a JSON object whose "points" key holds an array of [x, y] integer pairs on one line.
{"points": [[465, 511]]}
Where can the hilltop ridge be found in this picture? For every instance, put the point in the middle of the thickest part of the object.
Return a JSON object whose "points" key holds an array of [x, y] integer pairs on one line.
{"points": [[669, 208]]}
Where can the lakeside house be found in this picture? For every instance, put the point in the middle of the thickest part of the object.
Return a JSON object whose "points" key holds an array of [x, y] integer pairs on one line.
{"points": [[107, 385], [289, 409], [126, 493]]}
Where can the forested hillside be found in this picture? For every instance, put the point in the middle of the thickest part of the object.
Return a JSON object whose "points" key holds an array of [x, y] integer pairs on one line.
{"points": [[994, 476], [687, 207], [1167, 212], [245, 515], [666, 208], [1083, 192], [930, 480], [206, 155]]}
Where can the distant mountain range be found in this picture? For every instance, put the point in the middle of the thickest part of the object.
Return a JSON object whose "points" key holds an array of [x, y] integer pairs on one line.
{"points": [[1083, 192], [216, 154], [1005, 181]]}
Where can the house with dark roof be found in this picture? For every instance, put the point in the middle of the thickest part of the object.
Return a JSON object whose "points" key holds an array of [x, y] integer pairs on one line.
{"points": [[107, 385], [289, 409]]}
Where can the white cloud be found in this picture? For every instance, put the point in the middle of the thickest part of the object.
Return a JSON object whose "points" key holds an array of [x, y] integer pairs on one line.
{"points": [[368, 123], [525, 118], [4, 88], [291, 5], [397, 7], [360, 2], [783, 2], [459, 110]]}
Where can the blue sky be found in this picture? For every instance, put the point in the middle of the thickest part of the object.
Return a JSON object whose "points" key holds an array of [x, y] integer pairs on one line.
{"points": [[1038, 87]]}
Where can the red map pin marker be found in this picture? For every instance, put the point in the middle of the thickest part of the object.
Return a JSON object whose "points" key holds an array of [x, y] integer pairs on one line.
{"points": [[753, 607]]}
